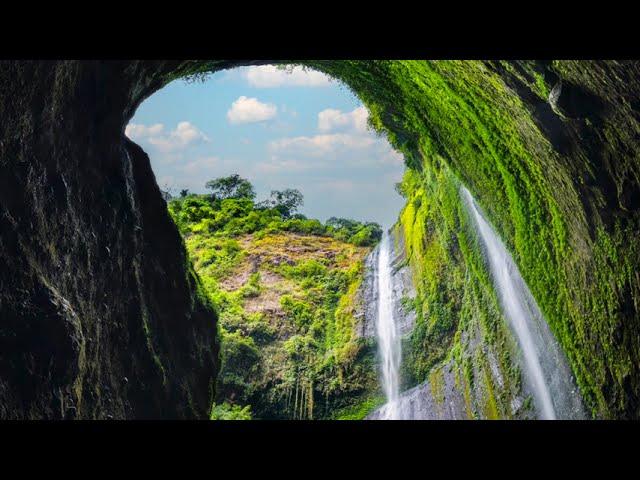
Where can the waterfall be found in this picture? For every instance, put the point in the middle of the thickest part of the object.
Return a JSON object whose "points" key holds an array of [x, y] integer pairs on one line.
{"points": [[545, 368], [387, 332]]}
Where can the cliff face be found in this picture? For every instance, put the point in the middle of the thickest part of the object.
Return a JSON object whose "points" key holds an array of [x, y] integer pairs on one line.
{"points": [[550, 151], [101, 315]]}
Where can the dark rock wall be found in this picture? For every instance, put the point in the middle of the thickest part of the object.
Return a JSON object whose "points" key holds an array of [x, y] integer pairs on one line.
{"points": [[100, 315]]}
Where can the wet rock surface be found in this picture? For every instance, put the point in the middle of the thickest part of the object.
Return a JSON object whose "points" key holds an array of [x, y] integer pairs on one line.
{"points": [[425, 402]]}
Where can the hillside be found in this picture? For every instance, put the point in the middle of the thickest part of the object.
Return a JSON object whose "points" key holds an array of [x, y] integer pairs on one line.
{"points": [[285, 288]]}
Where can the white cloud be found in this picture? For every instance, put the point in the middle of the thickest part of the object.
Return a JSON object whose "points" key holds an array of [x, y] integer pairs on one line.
{"points": [[332, 119], [343, 139], [250, 110], [268, 76], [321, 144], [141, 131], [276, 165], [340, 131], [184, 135]]}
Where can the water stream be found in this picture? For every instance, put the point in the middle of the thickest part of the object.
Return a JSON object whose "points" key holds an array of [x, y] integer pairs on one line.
{"points": [[387, 333], [545, 370], [545, 367]]}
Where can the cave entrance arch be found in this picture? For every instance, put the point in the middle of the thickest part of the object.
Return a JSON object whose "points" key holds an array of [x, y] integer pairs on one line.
{"points": [[522, 122], [89, 259]]}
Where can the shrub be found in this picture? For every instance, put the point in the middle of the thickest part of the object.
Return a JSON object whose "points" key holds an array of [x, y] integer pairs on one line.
{"points": [[226, 411]]}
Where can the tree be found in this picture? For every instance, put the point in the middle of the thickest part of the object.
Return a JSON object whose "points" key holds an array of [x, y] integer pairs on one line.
{"points": [[233, 186], [287, 201], [339, 223], [166, 195], [184, 192], [358, 233]]}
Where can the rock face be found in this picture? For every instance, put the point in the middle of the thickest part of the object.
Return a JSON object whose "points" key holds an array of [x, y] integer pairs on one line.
{"points": [[424, 402], [100, 314]]}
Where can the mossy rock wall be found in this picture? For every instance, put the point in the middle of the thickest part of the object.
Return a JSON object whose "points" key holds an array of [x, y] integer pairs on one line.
{"points": [[558, 179]]}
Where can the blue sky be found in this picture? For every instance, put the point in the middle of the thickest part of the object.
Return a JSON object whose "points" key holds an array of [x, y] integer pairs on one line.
{"points": [[296, 129]]}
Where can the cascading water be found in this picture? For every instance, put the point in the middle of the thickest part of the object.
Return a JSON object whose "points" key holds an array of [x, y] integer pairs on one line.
{"points": [[389, 344], [545, 368]]}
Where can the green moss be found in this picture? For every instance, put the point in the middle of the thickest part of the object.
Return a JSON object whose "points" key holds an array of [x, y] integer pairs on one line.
{"points": [[466, 121], [541, 86], [463, 114], [491, 407], [436, 382], [360, 410]]}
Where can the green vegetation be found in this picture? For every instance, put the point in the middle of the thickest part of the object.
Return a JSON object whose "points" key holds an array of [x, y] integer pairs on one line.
{"points": [[232, 186], [285, 288], [231, 211], [468, 116], [458, 321], [360, 410], [227, 411], [286, 202], [567, 210]]}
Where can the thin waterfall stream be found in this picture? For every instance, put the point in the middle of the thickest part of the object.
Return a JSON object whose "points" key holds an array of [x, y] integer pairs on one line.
{"points": [[389, 341], [546, 370]]}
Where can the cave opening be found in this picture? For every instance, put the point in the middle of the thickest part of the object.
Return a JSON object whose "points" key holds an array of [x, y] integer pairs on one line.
{"points": [[279, 126], [276, 180], [432, 171], [90, 255], [280, 189]]}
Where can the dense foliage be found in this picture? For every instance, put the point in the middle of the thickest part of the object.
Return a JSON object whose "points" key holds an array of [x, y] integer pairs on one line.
{"points": [[549, 150], [228, 214], [285, 288]]}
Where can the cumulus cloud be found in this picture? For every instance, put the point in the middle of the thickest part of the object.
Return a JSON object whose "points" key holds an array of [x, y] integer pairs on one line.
{"points": [[343, 139], [339, 132], [268, 76], [250, 110], [184, 135], [275, 165], [141, 131], [332, 119], [321, 144]]}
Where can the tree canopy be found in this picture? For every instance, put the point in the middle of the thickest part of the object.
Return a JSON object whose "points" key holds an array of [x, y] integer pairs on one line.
{"points": [[231, 211], [287, 201], [233, 186]]}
